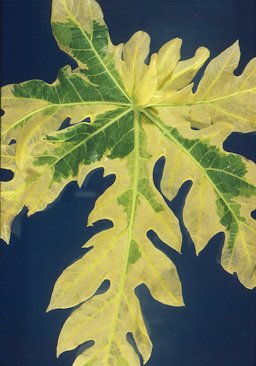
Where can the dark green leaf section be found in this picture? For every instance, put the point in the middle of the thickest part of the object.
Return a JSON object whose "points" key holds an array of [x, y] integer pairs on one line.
{"points": [[87, 143], [70, 87], [134, 253], [146, 191], [227, 173], [91, 53], [229, 220], [145, 186], [144, 179], [125, 200]]}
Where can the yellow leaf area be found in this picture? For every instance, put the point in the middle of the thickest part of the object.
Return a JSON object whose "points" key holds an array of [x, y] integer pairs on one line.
{"points": [[124, 115], [166, 84], [125, 256]]}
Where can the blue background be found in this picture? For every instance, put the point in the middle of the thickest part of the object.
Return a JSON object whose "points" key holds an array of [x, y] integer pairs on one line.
{"points": [[217, 326]]}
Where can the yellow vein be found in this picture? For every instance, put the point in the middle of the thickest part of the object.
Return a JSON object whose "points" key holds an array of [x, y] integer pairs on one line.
{"points": [[207, 101]]}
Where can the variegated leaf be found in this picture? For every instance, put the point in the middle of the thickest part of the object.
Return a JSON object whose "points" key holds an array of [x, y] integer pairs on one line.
{"points": [[125, 114]]}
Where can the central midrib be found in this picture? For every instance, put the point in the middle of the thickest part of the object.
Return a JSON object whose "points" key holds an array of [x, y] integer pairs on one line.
{"points": [[130, 227]]}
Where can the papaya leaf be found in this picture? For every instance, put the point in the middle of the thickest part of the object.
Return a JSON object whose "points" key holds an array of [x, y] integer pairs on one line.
{"points": [[125, 114]]}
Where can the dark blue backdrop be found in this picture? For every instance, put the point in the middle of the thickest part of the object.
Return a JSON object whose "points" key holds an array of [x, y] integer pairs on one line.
{"points": [[217, 326]]}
